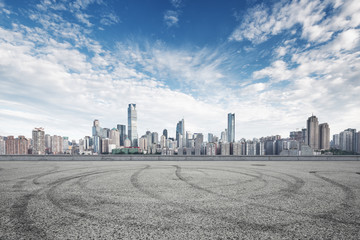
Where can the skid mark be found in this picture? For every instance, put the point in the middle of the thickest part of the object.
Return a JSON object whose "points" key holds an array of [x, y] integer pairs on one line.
{"points": [[134, 179], [349, 194], [179, 176], [239, 223], [59, 203], [22, 222]]}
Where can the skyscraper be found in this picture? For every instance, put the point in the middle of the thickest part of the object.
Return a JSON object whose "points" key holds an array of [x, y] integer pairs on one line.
{"points": [[2, 146], [165, 133], [180, 130], [96, 130], [132, 125], [313, 132], [122, 131], [115, 137], [210, 137], [324, 136], [38, 136], [10, 145], [231, 127]]}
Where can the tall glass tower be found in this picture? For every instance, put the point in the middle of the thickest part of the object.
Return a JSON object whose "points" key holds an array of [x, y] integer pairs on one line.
{"points": [[180, 130], [231, 127], [132, 125]]}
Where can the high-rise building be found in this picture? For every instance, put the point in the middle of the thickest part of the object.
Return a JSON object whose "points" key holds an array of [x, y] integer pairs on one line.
{"points": [[87, 143], [347, 140], [354, 139], [198, 143], [163, 142], [56, 143], [132, 125], [143, 143], [180, 130], [155, 137], [210, 137], [97, 144], [122, 131], [313, 132], [2, 146], [105, 142], [231, 127], [65, 145], [22, 145], [358, 142], [223, 137], [269, 147], [96, 129], [10, 145], [165, 133], [336, 141], [189, 136], [304, 136], [115, 137], [38, 136], [324, 136]]}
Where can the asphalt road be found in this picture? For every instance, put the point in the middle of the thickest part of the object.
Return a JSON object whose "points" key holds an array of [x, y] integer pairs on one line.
{"points": [[179, 200]]}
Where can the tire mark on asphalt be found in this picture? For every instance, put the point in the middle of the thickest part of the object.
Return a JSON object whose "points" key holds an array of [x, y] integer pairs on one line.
{"points": [[36, 180], [349, 194], [19, 184], [258, 177], [56, 201], [134, 179], [23, 224], [234, 221], [179, 176], [293, 187], [346, 205]]}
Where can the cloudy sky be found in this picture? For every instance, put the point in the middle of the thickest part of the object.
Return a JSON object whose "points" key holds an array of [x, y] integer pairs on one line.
{"points": [[273, 63]]}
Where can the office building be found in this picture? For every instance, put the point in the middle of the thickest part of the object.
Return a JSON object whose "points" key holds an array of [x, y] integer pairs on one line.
{"points": [[180, 131], [132, 125], [210, 137], [10, 145], [2, 146], [115, 137], [21, 145], [165, 133], [105, 142], [231, 127], [324, 136], [38, 137], [143, 145], [163, 142], [313, 132], [155, 137], [122, 132]]}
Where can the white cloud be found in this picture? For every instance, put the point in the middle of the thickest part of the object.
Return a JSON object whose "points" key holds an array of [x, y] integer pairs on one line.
{"points": [[84, 18], [176, 3], [43, 72], [171, 18], [260, 23], [109, 19]]}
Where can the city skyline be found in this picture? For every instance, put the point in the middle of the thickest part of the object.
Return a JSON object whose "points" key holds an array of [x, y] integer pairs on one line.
{"points": [[65, 63], [313, 140]]}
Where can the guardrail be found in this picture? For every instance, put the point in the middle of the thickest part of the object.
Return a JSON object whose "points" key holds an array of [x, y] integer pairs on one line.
{"points": [[176, 158]]}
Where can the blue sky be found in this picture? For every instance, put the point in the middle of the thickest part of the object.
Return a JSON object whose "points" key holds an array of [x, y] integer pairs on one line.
{"points": [[272, 63]]}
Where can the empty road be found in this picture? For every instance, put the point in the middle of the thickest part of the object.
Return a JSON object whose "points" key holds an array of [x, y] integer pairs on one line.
{"points": [[179, 200]]}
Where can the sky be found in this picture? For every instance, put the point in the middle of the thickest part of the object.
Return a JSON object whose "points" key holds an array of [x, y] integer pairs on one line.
{"points": [[273, 63]]}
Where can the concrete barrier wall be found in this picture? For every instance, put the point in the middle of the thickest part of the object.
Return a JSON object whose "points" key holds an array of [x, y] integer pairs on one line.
{"points": [[173, 158]]}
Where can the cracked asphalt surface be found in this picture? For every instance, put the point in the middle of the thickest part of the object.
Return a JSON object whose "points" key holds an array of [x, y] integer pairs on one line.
{"points": [[180, 200]]}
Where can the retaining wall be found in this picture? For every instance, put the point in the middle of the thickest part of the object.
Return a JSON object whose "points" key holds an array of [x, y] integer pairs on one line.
{"points": [[174, 158]]}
